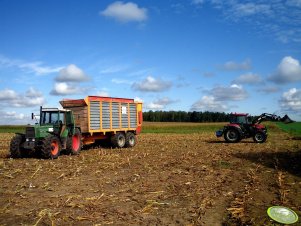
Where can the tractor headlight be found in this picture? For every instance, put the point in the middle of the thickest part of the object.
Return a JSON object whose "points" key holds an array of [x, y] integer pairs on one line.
{"points": [[27, 139], [33, 139]]}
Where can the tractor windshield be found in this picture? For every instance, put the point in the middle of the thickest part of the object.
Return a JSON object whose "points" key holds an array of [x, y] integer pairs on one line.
{"points": [[52, 117], [240, 119]]}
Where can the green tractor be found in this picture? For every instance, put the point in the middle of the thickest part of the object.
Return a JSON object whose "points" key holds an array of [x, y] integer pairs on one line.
{"points": [[55, 131]]}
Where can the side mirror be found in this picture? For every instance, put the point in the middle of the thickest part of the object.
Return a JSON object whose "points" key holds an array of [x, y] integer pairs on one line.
{"points": [[32, 116]]}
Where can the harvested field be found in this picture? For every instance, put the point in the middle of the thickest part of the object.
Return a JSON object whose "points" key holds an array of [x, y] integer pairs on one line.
{"points": [[167, 179]]}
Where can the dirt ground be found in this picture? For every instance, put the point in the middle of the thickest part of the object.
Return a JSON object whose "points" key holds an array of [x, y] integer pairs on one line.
{"points": [[167, 179]]}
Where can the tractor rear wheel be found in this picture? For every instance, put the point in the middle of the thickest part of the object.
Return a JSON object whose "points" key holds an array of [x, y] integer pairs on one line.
{"points": [[259, 137], [232, 136], [118, 140], [130, 140], [16, 151], [51, 147], [74, 143]]}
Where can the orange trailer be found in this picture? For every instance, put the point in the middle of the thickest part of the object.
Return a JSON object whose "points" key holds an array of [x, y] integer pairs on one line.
{"points": [[118, 120]]}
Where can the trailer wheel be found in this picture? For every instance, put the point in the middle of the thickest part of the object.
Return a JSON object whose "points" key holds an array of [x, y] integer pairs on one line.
{"points": [[118, 140], [232, 136], [259, 137], [51, 147], [74, 143], [16, 151], [130, 140]]}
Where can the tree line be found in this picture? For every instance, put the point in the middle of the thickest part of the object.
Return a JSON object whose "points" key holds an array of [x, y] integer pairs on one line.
{"points": [[183, 116]]}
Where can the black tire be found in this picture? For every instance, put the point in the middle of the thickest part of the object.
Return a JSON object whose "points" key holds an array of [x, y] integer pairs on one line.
{"points": [[130, 140], [16, 151], [118, 140], [74, 143], [51, 147], [259, 137], [232, 135]]}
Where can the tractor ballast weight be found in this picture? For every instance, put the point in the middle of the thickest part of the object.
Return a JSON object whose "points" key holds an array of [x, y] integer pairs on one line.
{"points": [[241, 127]]}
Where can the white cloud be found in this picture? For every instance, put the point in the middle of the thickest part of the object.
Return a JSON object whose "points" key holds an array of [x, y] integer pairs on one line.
{"points": [[150, 84], [235, 66], [11, 98], [64, 88], [154, 106], [13, 115], [37, 68], [102, 93], [125, 12], [291, 101], [8, 94], [233, 93], [268, 89], [160, 103], [138, 99], [249, 78], [197, 2], [71, 73], [296, 3], [114, 69], [248, 9], [289, 70], [121, 81], [281, 20], [209, 103]]}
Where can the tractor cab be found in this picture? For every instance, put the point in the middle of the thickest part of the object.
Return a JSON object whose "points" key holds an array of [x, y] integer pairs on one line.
{"points": [[240, 118], [58, 121]]}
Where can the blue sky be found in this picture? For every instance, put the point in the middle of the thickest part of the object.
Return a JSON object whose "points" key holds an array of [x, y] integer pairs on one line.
{"points": [[202, 55]]}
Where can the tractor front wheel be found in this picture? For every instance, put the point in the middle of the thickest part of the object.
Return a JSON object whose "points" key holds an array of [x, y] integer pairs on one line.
{"points": [[232, 136], [74, 143], [259, 137], [51, 147], [16, 151]]}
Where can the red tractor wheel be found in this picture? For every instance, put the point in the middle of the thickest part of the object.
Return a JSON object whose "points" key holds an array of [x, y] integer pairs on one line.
{"points": [[51, 147], [74, 143]]}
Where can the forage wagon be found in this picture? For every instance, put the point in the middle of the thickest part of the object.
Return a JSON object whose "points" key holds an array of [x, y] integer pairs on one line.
{"points": [[80, 122]]}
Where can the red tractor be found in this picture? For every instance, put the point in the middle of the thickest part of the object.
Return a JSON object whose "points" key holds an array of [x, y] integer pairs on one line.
{"points": [[242, 127]]}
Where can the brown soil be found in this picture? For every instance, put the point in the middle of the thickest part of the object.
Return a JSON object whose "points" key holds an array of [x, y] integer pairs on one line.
{"points": [[167, 179]]}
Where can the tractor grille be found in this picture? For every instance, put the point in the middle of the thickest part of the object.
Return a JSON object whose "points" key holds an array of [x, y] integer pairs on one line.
{"points": [[30, 133]]}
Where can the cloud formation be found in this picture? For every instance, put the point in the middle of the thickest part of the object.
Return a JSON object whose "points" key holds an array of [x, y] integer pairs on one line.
{"points": [[249, 78], [209, 103], [125, 12], [36, 67], [150, 84], [32, 97], [65, 88], [232, 93], [68, 81], [236, 66], [71, 73], [278, 19], [289, 70], [291, 101], [160, 103]]}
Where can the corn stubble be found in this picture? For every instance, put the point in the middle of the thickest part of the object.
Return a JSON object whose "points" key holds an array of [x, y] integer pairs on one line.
{"points": [[166, 179]]}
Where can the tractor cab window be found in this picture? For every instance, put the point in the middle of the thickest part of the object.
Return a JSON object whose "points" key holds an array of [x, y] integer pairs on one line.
{"points": [[52, 117], [239, 119]]}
